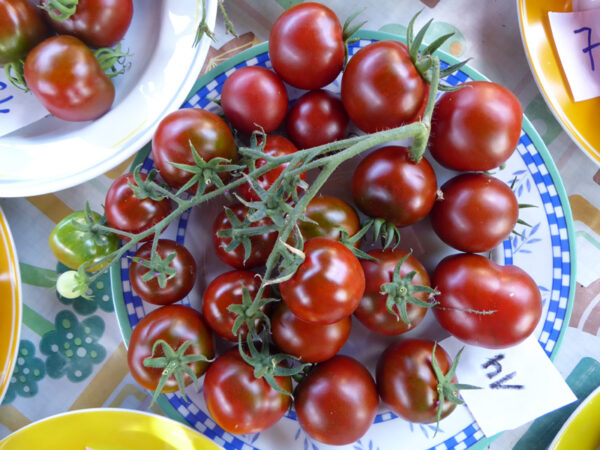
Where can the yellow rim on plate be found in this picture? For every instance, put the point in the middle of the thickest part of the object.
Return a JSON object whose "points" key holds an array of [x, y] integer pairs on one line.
{"points": [[107, 429], [582, 430], [10, 305], [578, 119]]}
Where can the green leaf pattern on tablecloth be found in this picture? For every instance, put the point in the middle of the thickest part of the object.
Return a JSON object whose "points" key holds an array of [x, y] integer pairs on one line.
{"points": [[73, 348], [100, 295], [28, 370]]}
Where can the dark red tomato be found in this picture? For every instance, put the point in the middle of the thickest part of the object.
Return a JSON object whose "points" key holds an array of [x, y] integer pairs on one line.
{"points": [[306, 46], [475, 128], [485, 304], [125, 212], [254, 97], [275, 146], [310, 342], [331, 214], [381, 88], [476, 212], [317, 118], [327, 286], [372, 311], [174, 324], [407, 383], [207, 132], [98, 23], [389, 185], [177, 287], [226, 290], [239, 402], [21, 28], [337, 402], [261, 244], [65, 76]]}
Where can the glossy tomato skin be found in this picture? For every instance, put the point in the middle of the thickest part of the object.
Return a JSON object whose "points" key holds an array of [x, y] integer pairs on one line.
{"points": [[261, 244], [125, 212], [254, 97], [381, 88], [65, 76], [330, 214], [407, 383], [177, 287], [389, 185], [476, 212], [275, 146], [73, 247], [317, 118], [175, 324], [306, 46], [470, 282], [98, 23], [475, 128], [21, 28], [226, 290], [312, 343], [208, 133], [337, 402], [239, 402], [327, 286], [372, 311]]}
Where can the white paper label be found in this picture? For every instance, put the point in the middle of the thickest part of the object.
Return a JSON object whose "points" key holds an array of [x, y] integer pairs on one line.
{"points": [[17, 108], [577, 39], [518, 384]]}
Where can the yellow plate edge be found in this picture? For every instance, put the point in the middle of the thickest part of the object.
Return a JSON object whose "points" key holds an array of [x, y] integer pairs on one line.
{"points": [[588, 410]]}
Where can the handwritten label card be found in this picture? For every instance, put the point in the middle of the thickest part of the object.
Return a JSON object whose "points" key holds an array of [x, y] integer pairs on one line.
{"points": [[577, 39], [519, 384], [17, 108]]}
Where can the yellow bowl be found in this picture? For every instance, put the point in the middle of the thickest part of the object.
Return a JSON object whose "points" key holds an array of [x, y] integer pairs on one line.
{"points": [[582, 430]]}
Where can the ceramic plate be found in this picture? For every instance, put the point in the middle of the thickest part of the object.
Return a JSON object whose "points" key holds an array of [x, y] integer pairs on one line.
{"points": [[52, 154], [106, 429], [10, 305], [545, 250], [582, 429], [577, 119]]}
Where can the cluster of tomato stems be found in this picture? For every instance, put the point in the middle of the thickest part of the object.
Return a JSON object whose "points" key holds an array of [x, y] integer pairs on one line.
{"points": [[274, 204]]}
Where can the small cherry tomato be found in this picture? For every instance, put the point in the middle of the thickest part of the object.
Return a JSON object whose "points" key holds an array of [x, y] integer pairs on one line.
{"points": [[327, 286], [239, 402], [310, 342], [475, 213], [306, 46], [21, 28], [317, 118], [337, 402], [389, 185], [177, 286], [254, 97], [330, 214]]}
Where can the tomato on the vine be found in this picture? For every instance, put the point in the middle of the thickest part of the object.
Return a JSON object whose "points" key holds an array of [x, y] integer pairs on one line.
{"points": [[306, 46], [475, 213], [381, 88], [387, 184], [176, 325], [483, 303], [98, 23], [476, 127], [177, 285], [310, 342], [330, 214], [183, 129], [253, 98], [65, 76], [337, 402], [327, 286], [21, 28], [239, 402]]}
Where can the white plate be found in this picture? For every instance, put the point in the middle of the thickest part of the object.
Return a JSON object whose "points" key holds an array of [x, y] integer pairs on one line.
{"points": [[52, 154]]}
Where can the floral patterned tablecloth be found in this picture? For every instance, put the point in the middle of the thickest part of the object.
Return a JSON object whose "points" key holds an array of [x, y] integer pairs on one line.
{"points": [[71, 353]]}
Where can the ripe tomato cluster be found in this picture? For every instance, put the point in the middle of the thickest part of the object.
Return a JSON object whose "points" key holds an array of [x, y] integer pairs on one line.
{"points": [[306, 313], [72, 81]]}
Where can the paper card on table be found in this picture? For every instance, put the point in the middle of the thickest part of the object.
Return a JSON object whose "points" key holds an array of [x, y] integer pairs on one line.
{"points": [[518, 384], [577, 39], [17, 108]]}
